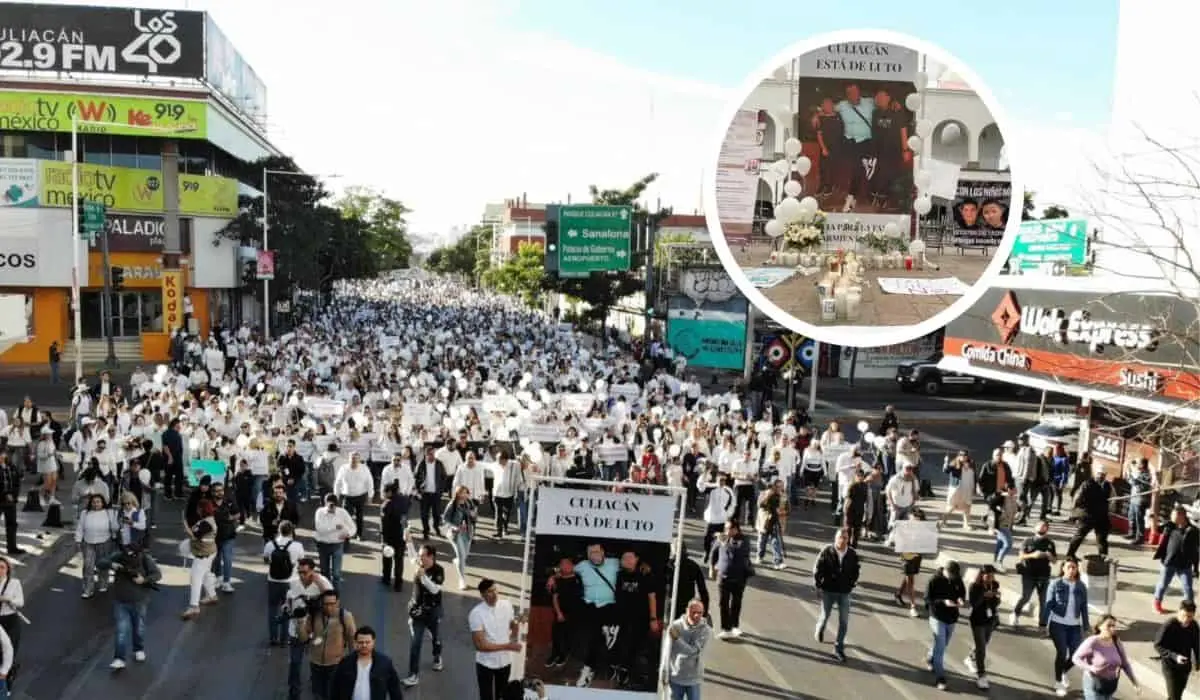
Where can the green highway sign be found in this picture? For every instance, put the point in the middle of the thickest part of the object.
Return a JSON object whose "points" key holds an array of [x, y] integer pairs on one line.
{"points": [[593, 238], [93, 217], [1051, 241]]}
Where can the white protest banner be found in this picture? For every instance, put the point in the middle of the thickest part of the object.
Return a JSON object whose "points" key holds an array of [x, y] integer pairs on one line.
{"points": [[629, 392], [593, 426], [947, 286], [389, 341], [324, 408], [618, 516], [576, 403], [541, 432], [609, 453], [916, 536], [418, 414], [500, 403], [831, 454]]}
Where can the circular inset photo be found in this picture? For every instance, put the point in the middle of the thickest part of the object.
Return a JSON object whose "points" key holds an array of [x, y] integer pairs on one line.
{"points": [[862, 190]]}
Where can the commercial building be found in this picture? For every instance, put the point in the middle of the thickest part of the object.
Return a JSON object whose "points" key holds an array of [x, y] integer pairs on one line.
{"points": [[167, 115]]}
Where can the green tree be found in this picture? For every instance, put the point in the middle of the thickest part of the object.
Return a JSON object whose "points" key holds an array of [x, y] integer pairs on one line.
{"points": [[1055, 212], [463, 257], [1028, 207], [521, 275], [386, 229], [602, 291], [314, 244]]}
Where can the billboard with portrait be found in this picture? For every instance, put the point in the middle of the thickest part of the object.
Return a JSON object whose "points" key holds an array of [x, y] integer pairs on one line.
{"points": [[980, 213], [598, 582], [854, 127]]}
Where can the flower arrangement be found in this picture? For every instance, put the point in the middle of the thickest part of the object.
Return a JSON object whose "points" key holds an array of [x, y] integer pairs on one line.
{"points": [[805, 235], [882, 243]]}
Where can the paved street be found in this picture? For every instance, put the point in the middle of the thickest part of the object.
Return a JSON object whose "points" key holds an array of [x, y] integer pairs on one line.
{"points": [[66, 651]]}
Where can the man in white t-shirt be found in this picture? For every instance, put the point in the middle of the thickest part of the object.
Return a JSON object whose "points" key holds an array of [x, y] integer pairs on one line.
{"points": [[494, 629]]}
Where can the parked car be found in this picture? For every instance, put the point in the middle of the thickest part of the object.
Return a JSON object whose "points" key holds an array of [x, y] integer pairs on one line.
{"points": [[926, 377], [1055, 431]]}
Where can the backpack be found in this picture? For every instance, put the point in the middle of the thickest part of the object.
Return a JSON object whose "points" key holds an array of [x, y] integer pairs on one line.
{"points": [[280, 562]]}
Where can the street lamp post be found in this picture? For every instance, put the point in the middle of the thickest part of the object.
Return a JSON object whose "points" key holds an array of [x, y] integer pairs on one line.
{"points": [[265, 229], [76, 292]]}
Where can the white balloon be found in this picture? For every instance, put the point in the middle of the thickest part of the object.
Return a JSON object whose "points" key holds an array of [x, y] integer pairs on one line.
{"points": [[891, 230], [862, 426], [924, 127], [792, 147], [923, 205], [921, 179], [789, 210], [913, 102], [914, 143], [803, 165], [774, 228], [950, 133], [916, 247], [869, 438], [809, 206], [793, 188]]}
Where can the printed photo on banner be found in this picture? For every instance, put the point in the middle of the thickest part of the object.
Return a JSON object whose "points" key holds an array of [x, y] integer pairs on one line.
{"points": [[854, 126], [981, 213], [709, 334], [265, 268], [599, 587]]}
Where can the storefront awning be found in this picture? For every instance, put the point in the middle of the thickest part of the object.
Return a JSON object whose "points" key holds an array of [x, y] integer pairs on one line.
{"points": [[1181, 412]]}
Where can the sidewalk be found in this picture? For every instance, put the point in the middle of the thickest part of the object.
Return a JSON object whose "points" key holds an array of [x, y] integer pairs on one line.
{"points": [[1137, 575]]}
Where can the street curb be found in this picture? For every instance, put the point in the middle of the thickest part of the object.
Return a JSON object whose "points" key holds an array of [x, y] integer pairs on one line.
{"points": [[1149, 676], [846, 416]]}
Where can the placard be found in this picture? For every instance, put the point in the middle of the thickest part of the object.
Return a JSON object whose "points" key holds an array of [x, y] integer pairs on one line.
{"points": [[213, 468], [418, 414], [916, 537], [629, 392], [577, 403], [609, 453], [605, 515], [540, 432], [323, 408]]}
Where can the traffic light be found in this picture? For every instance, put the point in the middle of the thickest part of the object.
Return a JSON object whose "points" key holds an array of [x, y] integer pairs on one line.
{"points": [[551, 230], [79, 214], [116, 277], [249, 273]]}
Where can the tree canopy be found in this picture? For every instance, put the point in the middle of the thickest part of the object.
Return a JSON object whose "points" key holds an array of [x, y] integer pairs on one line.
{"points": [[316, 243], [462, 256], [1029, 210], [520, 276]]}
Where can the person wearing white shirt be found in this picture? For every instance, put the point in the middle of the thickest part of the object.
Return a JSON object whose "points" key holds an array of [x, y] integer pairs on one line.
{"points": [[333, 527], [12, 599], [449, 458], [722, 504], [354, 484], [399, 473], [901, 492], [845, 467], [470, 476], [277, 582], [495, 629], [745, 475], [509, 482]]}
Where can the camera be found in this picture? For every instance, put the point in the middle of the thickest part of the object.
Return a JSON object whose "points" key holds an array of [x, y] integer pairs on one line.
{"points": [[297, 608]]}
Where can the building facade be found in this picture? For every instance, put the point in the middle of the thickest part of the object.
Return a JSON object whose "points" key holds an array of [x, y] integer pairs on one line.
{"points": [[163, 142]]}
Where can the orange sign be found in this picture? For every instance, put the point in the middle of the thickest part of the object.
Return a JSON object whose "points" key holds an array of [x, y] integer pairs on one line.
{"points": [[172, 301]]}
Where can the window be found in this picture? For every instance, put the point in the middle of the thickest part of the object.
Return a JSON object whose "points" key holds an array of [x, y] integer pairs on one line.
{"points": [[124, 151], [149, 154], [194, 157], [22, 144], [96, 148]]}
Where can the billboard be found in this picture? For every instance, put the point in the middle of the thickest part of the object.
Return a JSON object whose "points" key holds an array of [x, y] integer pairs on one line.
{"points": [[854, 128], [54, 111], [737, 175], [142, 233], [981, 213], [229, 74], [708, 333], [172, 300], [113, 40], [35, 248], [133, 190], [1051, 246], [20, 182], [612, 549]]}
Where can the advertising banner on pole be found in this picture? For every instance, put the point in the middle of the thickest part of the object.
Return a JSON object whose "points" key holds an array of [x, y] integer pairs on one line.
{"points": [[604, 557], [708, 334], [103, 114], [265, 266], [172, 300], [20, 180], [594, 238], [113, 40]]}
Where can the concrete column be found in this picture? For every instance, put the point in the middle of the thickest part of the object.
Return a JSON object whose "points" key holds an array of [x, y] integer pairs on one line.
{"points": [[173, 244]]}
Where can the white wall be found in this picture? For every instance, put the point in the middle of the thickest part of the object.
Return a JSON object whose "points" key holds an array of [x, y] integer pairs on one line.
{"points": [[213, 267], [45, 234], [976, 143]]}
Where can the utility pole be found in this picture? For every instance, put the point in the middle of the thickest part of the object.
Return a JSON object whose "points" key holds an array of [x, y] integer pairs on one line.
{"points": [[111, 360]]}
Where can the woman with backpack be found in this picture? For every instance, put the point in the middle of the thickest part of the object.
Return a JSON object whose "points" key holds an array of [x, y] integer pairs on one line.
{"points": [[202, 546]]}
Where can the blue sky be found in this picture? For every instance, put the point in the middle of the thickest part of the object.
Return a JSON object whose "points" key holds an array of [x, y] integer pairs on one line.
{"points": [[1034, 54]]}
